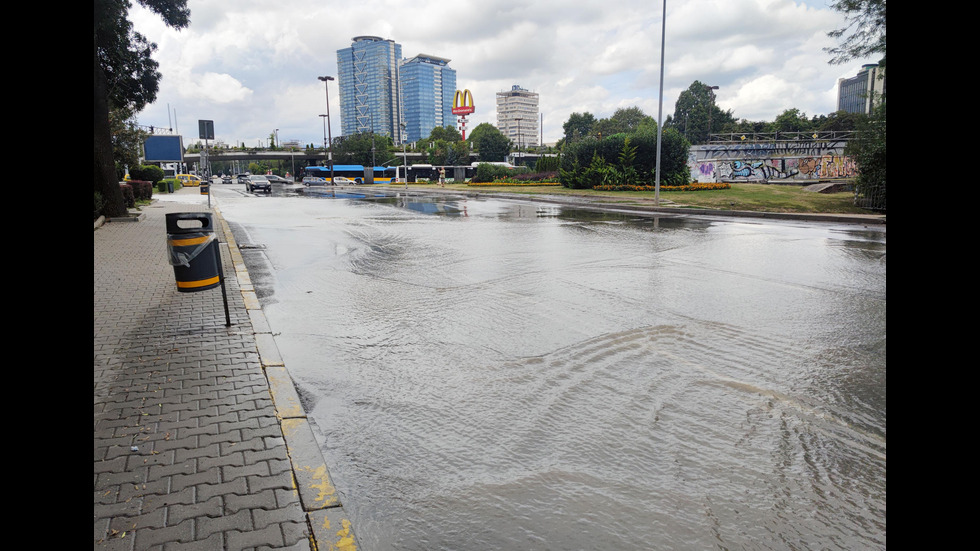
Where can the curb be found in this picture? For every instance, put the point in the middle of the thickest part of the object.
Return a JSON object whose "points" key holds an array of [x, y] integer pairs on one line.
{"points": [[328, 522]]}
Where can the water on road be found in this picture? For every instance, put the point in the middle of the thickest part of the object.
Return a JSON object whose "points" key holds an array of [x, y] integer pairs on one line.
{"points": [[492, 374]]}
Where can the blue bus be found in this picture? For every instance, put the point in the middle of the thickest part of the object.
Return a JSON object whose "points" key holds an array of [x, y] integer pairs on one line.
{"points": [[320, 175]]}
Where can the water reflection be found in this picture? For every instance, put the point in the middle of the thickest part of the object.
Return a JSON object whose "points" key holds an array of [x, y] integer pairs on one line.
{"points": [[497, 374]]}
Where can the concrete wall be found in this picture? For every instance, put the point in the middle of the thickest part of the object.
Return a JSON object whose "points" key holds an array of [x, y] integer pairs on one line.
{"points": [[797, 161]]}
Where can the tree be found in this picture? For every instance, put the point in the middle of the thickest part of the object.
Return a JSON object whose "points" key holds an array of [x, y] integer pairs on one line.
{"points": [[868, 152], [695, 110], [625, 120], [125, 76], [864, 30], [356, 149], [578, 125], [490, 143], [790, 120], [127, 140]]}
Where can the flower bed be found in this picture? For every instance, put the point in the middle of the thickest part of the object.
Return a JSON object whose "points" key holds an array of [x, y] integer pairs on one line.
{"points": [[689, 187]]}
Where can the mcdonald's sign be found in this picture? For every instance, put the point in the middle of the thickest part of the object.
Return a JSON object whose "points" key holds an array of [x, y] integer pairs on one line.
{"points": [[463, 103]]}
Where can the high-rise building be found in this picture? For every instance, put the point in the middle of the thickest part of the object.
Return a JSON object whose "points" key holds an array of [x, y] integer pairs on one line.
{"points": [[517, 116], [857, 94], [428, 86], [367, 75]]}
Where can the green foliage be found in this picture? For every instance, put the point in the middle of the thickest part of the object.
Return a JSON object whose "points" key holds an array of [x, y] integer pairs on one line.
{"points": [[864, 31], [624, 159], [868, 152], [148, 173], [486, 172], [578, 126], [490, 143], [546, 164], [695, 111]]}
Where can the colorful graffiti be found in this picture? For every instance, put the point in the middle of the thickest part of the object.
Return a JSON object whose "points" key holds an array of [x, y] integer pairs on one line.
{"points": [[773, 169]]}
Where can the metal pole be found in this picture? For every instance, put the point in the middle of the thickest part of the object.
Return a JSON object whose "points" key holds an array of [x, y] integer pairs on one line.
{"points": [[660, 109], [326, 80], [221, 278]]}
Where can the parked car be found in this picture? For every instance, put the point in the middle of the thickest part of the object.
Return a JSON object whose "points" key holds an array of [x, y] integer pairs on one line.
{"points": [[257, 182], [276, 179], [188, 180], [242, 178]]}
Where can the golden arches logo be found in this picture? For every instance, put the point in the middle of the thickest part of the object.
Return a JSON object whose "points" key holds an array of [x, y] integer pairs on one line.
{"points": [[463, 103]]}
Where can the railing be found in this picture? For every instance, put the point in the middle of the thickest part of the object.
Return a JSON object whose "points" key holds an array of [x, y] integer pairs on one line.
{"points": [[770, 137]]}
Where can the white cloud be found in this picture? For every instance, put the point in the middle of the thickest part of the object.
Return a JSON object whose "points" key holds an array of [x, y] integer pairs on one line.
{"points": [[251, 65]]}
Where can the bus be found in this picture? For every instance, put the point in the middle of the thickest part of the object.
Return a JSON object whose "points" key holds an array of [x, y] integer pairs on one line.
{"points": [[320, 175]]}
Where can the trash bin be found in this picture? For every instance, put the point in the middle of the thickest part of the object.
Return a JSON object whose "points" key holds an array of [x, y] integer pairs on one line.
{"points": [[193, 251], [204, 188]]}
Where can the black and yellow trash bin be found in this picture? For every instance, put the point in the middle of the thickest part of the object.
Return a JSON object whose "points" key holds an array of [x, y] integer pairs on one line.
{"points": [[193, 251], [192, 247]]}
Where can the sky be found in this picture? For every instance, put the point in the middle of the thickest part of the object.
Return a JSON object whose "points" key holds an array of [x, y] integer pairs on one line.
{"points": [[251, 66]]}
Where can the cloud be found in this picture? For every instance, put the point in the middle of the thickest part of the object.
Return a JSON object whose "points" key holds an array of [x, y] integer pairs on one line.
{"points": [[251, 65]]}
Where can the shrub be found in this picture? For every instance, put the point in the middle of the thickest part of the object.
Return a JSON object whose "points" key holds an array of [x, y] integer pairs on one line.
{"points": [[149, 173], [486, 172], [99, 205], [128, 197], [546, 164], [142, 189]]}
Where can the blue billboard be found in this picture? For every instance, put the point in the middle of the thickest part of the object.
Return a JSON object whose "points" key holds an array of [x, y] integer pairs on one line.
{"points": [[163, 149]]}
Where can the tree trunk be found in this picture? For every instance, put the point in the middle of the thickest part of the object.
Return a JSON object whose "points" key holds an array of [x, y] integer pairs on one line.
{"points": [[105, 180]]}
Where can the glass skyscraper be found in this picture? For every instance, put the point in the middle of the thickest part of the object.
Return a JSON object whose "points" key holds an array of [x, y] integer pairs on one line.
{"points": [[428, 87], [380, 91], [367, 75]]}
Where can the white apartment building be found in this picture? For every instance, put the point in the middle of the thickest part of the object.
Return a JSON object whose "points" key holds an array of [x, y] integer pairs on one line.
{"points": [[517, 116]]}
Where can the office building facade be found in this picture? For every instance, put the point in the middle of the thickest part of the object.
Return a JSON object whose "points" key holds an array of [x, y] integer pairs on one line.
{"points": [[857, 94], [517, 116], [428, 86], [383, 93], [367, 75]]}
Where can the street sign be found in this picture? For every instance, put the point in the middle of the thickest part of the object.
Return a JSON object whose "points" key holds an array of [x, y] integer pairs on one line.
{"points": [[206, 129]]}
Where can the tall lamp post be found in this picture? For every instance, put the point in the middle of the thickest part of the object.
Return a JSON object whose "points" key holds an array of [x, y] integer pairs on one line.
{"points": [[711, 107], [518, 119], [660, 109], [328, 145], [404, 156]]}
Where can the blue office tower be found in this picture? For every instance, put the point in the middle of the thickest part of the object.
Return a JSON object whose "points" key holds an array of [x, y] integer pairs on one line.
{"points": [[428, 86], [367, 75]]}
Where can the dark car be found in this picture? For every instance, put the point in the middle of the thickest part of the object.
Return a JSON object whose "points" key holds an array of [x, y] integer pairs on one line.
{"points": [[258, 182], [226, 178], [242, 178], [276, 179]]}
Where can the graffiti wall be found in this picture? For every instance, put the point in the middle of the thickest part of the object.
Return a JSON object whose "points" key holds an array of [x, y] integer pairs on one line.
{"points": [[770, 162]]}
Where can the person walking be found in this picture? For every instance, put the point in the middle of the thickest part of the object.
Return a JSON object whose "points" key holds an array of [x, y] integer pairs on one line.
{"points": [[442, 176]]}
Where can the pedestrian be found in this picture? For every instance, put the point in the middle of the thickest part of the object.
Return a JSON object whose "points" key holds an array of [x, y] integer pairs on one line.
{"points": [[442, 176]]}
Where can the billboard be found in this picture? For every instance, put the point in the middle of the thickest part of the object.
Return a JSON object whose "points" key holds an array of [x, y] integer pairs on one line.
{"points": [[463, 103], [163, 149]]}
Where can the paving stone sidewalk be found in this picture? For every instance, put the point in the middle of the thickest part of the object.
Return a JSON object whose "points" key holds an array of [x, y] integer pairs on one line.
{"points": [[200, 441]]}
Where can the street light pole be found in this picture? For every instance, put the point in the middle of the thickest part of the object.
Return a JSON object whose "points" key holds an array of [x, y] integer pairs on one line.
{"points": [[518, 119], [404, 156], [660, 109], [711, 107], [325, 80]]}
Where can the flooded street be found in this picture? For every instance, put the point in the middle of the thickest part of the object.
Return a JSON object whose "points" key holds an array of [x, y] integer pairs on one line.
{"points": [[492, 374]]}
